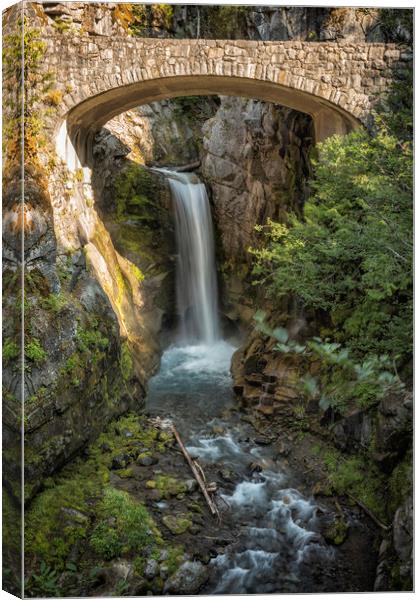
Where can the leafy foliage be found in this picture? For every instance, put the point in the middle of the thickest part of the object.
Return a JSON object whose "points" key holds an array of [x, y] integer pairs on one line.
{"points": [[34, 352], [11, 350], [350, 259], [339, 379]]}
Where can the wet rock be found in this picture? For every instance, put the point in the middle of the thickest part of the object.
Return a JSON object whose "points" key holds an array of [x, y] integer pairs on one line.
{"points": [[191, 485], [394, 429], [402, 533], [282, 449], [146, 460], [262, 441], [238, 389], [218, 430], [188, 579], [255, 467], [254, 364], [120, 461], [138, 586], [164, 572], [195, 528], [228, 475], [151, 569], [354, 431]]}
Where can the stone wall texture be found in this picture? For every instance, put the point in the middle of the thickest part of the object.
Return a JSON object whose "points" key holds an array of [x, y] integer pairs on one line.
{"points": [[342, 76]]}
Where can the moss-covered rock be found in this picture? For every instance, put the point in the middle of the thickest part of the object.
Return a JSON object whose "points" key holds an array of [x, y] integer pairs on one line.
{"points": [[177, 524], [337, 532]]}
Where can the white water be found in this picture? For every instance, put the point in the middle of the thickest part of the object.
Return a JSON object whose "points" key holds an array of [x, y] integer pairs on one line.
{"points": [[196, 281], [275, 526]]}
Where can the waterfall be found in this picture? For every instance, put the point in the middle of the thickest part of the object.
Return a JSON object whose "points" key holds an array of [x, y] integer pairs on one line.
{"points": [[196, 281]]}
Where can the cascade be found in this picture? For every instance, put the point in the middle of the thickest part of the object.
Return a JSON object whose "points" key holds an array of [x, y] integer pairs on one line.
{"points": [[196, 280]]}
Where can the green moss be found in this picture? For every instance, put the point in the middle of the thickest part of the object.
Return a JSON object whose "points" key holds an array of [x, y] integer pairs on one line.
{"points": [[54, 302], [50, 527], [134, 191], [168, 486], [400, 483], [126, 362], [337, 532], [11, 350], [88, 340], [359, 477], [177, 524], [175, 559], [136, 272], [79, 505], [74, 369], [125, 473], [125, 527], [34, 352]]}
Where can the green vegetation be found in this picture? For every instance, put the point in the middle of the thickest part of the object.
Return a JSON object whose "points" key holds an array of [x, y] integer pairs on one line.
{"points": [[126, 362], [332, 374], [356, 476], [348, 262], [125, 526], [54, 302], [141, 19], [134, 194], [34, 352], [11, 350], [37, 83], [79, 508]]}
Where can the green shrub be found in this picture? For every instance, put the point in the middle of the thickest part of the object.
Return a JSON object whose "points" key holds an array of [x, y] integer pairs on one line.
{"points": [[34, 352], [11, 350], [341, 379], [348, 261], [126, 527]]}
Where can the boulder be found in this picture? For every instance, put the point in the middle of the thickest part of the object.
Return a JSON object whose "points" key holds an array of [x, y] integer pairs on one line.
{"points": [[188, 579]]}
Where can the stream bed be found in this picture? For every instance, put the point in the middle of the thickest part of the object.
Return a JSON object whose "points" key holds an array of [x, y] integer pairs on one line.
{"points": [[276, 528]]}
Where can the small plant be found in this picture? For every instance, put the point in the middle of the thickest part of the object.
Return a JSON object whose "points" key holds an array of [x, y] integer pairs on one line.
{"points": [[44, 583], [126, 362], [54, 302], [11, 350], [34, 352], [54, 97], [137, 273]]}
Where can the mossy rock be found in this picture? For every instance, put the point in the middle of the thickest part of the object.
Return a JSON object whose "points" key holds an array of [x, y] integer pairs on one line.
{"points": [[125, 473], [177, 524], [337, 532]]}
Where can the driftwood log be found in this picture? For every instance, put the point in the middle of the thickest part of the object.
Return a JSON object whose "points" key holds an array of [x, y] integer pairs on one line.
{"points": [[197, 475]]}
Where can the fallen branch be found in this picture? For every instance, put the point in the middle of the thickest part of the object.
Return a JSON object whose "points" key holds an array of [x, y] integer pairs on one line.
{"points": [[189, 167], [369, 513], [212, 506]]}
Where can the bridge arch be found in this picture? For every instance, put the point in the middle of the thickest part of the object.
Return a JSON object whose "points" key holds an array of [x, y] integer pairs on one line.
{"points": [[84, 120], [336, 83]]}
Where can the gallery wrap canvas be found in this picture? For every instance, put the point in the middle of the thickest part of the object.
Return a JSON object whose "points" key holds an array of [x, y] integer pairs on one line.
{"points": [[207, 299]]}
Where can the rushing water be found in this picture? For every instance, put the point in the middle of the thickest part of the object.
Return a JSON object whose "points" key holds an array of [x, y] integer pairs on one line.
{"points": [[196, 281], [276, 527]]}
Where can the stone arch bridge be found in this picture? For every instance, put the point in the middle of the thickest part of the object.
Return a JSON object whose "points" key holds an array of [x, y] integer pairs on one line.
{"points": [[337, 83]]}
